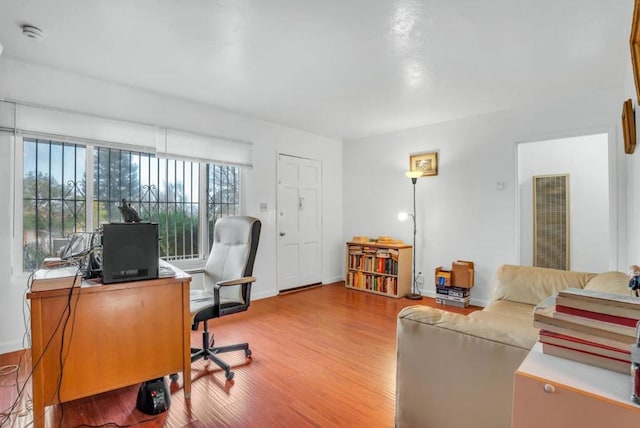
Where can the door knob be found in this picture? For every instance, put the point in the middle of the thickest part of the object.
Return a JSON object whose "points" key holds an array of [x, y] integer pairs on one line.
{"points": [[283, 233]]}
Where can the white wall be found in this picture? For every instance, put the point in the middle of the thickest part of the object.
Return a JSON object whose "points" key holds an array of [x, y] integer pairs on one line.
{"points": [[39, 85], [461, 213], [632, 164], [585, 159]]}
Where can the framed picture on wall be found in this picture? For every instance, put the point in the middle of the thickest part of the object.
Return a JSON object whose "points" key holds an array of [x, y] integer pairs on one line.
{"points": [[628, 127], [427, 163], [634, 41]]}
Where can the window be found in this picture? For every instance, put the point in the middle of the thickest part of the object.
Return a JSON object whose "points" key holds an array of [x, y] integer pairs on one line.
{"points": [[53, 197], [165, 191], [223, 194]]}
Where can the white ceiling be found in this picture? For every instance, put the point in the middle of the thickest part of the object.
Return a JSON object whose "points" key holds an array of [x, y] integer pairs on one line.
{"points": [[339, 68]]}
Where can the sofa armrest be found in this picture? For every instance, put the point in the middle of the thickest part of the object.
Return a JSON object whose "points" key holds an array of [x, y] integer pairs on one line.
{"points": [[453, 370]]}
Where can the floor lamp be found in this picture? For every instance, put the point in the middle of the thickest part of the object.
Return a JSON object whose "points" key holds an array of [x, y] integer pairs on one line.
{"points": [[413, 175]]}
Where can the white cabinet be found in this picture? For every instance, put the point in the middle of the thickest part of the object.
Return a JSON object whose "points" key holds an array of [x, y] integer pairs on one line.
{"points": [[553, 392]]}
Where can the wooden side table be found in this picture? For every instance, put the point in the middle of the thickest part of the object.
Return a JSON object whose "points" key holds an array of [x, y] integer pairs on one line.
{"points": [[554, 392]]}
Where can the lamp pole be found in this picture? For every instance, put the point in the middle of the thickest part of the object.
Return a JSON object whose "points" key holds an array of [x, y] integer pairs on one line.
{"points": [[414, 295]]}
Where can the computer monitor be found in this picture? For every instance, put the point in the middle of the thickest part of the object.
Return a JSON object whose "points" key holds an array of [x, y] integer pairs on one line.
{"points": [[129, 252]]}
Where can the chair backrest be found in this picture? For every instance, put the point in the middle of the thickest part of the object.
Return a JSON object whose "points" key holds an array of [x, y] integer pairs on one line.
{"points": [[233, 252]]}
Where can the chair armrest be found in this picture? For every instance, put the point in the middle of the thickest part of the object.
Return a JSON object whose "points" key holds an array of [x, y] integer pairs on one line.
{"points": [[244, 280]]}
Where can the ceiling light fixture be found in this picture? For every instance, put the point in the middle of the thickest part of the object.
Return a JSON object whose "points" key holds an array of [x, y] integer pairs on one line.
{"points": [[32, 32]]}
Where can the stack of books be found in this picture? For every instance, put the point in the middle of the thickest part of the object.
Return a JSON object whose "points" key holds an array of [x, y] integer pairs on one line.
{"points": [[453, 296], [453, 287], [590, 327]]}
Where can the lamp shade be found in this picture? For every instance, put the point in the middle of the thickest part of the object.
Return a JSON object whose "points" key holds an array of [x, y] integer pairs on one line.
{"points": [[413, 174]]}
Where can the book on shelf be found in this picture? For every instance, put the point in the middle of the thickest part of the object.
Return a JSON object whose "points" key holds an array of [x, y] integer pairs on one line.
{"points": [[614, 343], [599, 306], [449, 302], [614, 364], [610, 303], [453, 298], [621, 352], [453, 291], [595, 323], [383, 252], [546, 318], [599, 316], [380, 284]]}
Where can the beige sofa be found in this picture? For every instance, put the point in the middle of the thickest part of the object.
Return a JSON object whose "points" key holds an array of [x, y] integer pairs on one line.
{"points": [[457, 371]]}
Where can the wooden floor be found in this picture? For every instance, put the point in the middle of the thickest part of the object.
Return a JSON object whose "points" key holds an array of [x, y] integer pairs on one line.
{"points": [[322, 357]]}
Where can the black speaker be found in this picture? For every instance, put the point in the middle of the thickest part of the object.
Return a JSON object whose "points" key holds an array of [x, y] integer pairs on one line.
{"points": [[129, 252], [153, 397]]}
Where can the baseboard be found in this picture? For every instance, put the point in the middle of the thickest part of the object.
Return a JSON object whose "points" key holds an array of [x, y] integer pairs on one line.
{"points": [[302, 288], [7, 347], [263, 295], [332, 280]]}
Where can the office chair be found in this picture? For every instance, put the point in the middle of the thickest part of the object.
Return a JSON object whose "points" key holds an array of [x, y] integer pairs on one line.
{"points": [[227, 283]]}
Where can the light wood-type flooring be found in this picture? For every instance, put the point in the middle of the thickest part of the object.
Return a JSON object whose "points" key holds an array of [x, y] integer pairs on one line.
{"points": [[322, 357]]}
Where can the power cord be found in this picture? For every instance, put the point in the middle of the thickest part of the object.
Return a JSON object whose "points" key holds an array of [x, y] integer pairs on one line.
{"points": [[10, 414], [82, 260], [114, 424], [7, 414], [63, 358]]}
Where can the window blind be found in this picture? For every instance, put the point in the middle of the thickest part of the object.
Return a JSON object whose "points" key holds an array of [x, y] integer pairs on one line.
{"points": [[84, 128], [209, 149]]}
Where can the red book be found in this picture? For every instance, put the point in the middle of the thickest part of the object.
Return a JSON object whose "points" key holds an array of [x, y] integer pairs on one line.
{"points": [[615, 364], [567, 341], [615, 319]]}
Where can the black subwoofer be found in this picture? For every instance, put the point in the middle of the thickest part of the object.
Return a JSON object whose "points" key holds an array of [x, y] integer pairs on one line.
{"points": [[129, 252], [153, 397]]}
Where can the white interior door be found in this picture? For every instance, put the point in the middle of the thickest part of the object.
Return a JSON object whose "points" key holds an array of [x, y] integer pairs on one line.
{"points": [[299, 222]]}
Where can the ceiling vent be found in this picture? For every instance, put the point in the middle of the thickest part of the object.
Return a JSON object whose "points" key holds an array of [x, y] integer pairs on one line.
{"points": [[33, 32]]}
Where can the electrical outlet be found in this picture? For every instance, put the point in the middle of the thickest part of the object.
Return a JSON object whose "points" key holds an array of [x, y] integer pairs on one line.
{"points": [[419, 278]]}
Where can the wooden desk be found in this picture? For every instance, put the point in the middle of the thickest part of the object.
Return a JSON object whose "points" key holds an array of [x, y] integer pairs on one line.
{"points": [[116, 335]]}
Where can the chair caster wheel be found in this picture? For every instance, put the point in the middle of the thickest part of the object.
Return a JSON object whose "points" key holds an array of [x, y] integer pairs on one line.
{"points": [[247, 353], [229, 375], [174, 377]]}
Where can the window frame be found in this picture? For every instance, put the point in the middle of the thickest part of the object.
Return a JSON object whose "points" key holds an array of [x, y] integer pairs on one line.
{"points": [[17, 153]]}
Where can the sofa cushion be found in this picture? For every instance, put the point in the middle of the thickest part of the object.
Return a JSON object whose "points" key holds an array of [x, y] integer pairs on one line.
{"points": [[521, 331], [531, 285], [511, 309], [609, 282], [495, 328]]}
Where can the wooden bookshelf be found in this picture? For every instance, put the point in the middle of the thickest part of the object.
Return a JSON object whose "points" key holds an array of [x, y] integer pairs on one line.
{"points": [[378, 268]]}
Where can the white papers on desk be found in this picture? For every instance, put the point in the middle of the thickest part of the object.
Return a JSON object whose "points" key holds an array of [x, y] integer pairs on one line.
{"points": [[165, 270], [56, 278]]}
